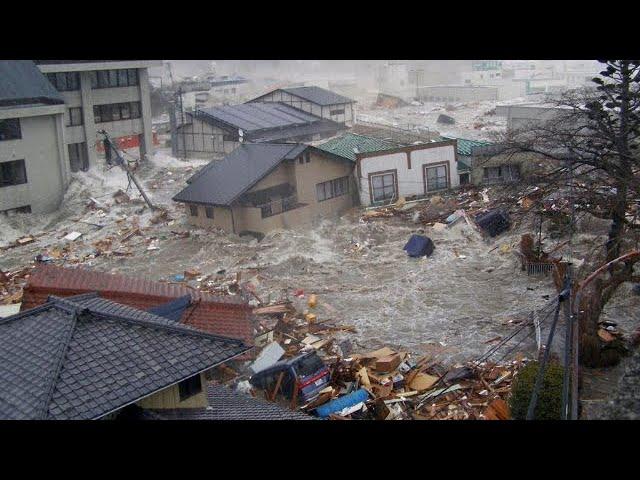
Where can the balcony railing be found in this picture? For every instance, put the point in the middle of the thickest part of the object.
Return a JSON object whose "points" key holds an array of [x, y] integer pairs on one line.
{"points": [[278, 206]]}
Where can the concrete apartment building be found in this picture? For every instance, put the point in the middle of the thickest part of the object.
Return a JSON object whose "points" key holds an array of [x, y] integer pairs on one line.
{"points": [[50, 111], [33, 163], [111, 95], [260, 187]]}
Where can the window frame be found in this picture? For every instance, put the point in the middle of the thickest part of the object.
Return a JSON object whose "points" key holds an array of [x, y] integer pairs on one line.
{"points": [[384, 173], [425, 172], [80, 119], [209, 212], [17, 131], [3, 167], [192, 209]]}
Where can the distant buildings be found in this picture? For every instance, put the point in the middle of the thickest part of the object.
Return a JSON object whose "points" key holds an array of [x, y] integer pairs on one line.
{"points": [[457, 93]]}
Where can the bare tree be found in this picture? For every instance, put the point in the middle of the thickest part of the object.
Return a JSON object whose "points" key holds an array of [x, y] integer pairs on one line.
{"points": [[590, 143]]}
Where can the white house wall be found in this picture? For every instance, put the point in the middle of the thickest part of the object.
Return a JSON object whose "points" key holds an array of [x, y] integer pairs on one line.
{"points": [[410, 180]]}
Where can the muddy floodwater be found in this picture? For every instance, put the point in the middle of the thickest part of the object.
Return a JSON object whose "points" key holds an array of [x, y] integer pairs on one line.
{"points": [[451, 304]]}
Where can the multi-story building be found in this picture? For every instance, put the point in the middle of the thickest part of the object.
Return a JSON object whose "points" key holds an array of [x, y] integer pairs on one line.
{"points": [[33, 165], [111, 95]]}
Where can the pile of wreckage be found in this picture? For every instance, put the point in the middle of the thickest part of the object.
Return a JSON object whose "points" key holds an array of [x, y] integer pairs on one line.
{"points": [[308, 364]]}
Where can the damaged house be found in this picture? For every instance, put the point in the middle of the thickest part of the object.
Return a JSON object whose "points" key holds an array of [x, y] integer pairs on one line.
{"points": [[316, 101], [387, 171], [214, 132], [265, 186]]}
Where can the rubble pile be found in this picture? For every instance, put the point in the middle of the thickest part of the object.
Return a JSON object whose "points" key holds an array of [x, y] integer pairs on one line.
{"points": [[384, 384]]}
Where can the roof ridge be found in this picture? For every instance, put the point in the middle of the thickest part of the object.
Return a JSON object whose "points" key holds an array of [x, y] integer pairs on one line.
{"points": [[62, 353]]}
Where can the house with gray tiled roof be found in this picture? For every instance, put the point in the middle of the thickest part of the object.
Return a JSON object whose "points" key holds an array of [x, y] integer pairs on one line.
{"points": [[85, 358], [315, 100]]}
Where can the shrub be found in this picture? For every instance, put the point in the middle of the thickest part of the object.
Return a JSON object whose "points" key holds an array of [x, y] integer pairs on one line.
{"points": [[549, 404]]}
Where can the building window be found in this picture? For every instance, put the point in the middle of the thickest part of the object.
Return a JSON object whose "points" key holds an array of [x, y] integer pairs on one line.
{"points": [[10, 129], [208, 212], [190, 387], [78, 157], [437, 178], [114, 78], [307, 157], [75, 117], [65, 81], [338, 111], [383, 187], [116, 111], [332, 188], [301, 160], [503, 173], [193, 210], [13, 172]]}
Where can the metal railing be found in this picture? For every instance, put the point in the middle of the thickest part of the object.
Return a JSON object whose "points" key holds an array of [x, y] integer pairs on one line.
{"points": [[278, 206]]}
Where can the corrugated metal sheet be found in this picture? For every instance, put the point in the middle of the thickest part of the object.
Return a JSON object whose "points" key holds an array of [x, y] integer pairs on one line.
{"points": [[256, 116], [318, 95]]}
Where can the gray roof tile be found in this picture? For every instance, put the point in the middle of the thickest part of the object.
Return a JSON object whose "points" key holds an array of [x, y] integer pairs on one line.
{"points": [[22, 83], [75, 358]]}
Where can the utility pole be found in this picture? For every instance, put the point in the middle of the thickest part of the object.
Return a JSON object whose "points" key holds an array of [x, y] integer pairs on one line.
{"points": [[110, 147]]}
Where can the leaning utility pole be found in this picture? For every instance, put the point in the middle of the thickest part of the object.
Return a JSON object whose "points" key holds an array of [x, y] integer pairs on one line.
{"points": [[110, 147]]}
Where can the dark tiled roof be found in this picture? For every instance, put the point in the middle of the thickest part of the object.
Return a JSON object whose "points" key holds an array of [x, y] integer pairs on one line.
{"points": [[22, 83], [84, 357], [317, 95], [226, 404], [251, 117], [229, 316], [223, 181]]}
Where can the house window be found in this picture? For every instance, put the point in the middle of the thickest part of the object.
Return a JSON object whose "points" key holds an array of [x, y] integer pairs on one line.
{"points": [[12, 173], [75, 117], [78, 157], [10, 129], [332, 188], [190, 387], [135, 109], [133, 77], [503, 173], [193, 210], [301, 160], [437, 178], [338, 111], [383, 187], [307, 157], [65, 81], [208, 212]]}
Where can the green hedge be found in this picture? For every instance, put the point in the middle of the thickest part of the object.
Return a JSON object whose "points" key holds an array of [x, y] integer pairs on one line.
{"points": [[549, 404]]}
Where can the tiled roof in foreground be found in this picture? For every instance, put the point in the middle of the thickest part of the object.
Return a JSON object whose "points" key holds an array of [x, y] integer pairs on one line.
{"points": [[226, 404], [83, 357]]}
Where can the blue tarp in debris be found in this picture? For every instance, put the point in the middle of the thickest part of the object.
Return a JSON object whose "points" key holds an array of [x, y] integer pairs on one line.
{"points": [[172, 310], [419, 246]]}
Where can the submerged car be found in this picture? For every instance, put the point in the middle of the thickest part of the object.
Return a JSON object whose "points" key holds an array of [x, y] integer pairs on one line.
{"points": [[305, 373]]}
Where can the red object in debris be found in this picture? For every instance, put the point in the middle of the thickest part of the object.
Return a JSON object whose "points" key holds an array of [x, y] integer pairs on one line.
{"points": [[298, 293], [229, 316]]}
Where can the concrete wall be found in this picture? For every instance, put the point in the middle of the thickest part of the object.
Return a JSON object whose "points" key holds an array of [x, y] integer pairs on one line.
{"points": [[408, 164], [43, 150], [525, 116], [304, 177], [170, 398], [348, 118]]}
